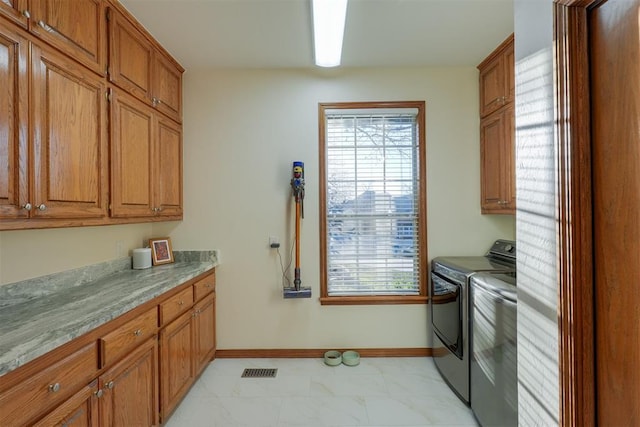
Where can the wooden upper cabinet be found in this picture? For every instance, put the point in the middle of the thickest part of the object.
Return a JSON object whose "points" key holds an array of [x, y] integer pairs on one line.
{"points": [[69, 139], [497, 131], [167, 86], [76, 27], [168, 189], [497, 162], [131, 156], [141, 68], [130, 57], [54, 163], [16, 11], [146, 160], [14, 190], [497, 78]]}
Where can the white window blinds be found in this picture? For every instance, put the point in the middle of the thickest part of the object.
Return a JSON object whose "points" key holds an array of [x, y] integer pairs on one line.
{"points": [[372, 190]]}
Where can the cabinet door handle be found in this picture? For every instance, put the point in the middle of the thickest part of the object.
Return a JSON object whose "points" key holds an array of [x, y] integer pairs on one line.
{"points": [[109, 385], [45, 26], [137, 332], [26, 14], [41, 207], [54, 388], [27, 206], [99, 393]]}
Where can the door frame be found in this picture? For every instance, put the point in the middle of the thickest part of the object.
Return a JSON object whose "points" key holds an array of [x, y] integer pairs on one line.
{"points": [[575, 216]]}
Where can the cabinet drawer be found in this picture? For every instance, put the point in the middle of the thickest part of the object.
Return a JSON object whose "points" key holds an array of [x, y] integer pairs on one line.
{"points": [[204, 286], [133, 333], [176, 305], [49, 387]]}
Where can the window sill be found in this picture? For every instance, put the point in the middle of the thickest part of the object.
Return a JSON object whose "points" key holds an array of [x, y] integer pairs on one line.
{"points": [[373, 300]]}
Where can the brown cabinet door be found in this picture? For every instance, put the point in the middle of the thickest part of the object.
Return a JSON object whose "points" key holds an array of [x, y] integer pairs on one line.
{"points": [[81, 410], [497, 174], [168, 183], [69, 138], [58, 23], [497, 85], [13, 123], [16, 11], [131, 157], [167, 87], [204, 333], [48, 387], [509, 73], [130, 389], [175, 362], [130, 57], [492, 86]]}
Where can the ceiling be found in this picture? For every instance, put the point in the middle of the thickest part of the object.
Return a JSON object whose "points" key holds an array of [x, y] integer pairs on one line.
{"points": [[278, 33]]}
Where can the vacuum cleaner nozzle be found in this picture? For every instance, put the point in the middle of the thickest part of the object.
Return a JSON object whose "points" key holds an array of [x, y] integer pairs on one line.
{"points": [[290, 292]]}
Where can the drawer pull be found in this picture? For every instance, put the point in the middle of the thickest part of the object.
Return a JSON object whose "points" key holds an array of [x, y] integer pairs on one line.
{"points": [[109, 385], [181, 303], [137, 332], [54, 388]]}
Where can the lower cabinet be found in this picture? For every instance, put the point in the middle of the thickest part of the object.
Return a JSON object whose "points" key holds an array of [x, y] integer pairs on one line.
{"points": [[125, 395], [187, 345], [79, 411], [175, 362], [204, 333], [125, 374], [130, 389]]}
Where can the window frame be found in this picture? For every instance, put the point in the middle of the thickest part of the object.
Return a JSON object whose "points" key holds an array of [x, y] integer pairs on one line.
{"points": [[422, 263]]}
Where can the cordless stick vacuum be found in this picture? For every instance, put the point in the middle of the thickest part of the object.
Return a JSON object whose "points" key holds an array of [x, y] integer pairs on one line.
{"points": [[297, 187]]}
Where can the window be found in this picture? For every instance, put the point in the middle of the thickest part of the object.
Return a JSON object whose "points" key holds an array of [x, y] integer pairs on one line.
{"points": [[372, 203]]}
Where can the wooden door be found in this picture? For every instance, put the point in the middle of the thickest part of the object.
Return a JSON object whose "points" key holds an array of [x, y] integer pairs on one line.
{"points": [[69, 138], [132, 136], [130, 57], [13, 123], [615, 117], [130, 389], [167, 87], [176, 349], [168, 168], [81, 410], [204, 332], [16, 11], [77, 27]]}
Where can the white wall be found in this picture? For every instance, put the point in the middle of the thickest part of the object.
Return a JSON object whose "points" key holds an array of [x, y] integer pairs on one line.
{"points": [[243, 129], [26, 254]]}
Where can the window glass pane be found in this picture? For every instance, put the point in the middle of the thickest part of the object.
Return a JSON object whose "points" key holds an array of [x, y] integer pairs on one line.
{"points": [[372, 203]]}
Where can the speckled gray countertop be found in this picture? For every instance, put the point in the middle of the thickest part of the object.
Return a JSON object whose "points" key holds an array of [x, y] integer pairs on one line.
{"points": [[39, 315]]}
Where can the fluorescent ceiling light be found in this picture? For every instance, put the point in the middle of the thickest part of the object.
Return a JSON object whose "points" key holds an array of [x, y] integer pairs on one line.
{"points": [[328, 30]]}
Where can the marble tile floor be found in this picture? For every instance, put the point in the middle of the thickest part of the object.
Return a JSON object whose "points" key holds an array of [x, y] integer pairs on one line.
{"points": [[380, 392]]}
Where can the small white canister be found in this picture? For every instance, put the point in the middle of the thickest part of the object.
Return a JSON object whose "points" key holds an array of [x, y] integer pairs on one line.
{"points": [[141, 258]]}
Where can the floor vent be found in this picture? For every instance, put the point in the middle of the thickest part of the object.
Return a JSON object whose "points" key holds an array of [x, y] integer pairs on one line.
{"points": [[259, 373]]}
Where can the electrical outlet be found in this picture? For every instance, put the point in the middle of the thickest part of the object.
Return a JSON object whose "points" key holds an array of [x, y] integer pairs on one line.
{"points": [[274, 242], [119, 249]]}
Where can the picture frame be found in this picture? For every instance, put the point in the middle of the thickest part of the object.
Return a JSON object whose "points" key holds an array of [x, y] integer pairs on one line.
{"points": [[161, 251]]}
